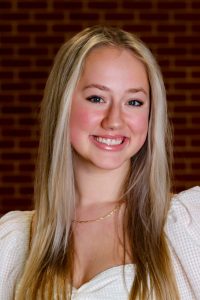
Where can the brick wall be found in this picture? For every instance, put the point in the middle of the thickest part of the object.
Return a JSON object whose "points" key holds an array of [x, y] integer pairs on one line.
{"points": [[31, 33]]}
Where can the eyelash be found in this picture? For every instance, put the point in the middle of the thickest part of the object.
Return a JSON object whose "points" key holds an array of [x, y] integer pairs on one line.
{"points": [[97, 99], [136, 103]]}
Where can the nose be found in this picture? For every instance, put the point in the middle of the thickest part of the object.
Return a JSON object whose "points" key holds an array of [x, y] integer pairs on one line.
{"points": [[113, 118]]}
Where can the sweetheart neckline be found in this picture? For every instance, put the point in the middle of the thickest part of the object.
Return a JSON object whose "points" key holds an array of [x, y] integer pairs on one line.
{"points": [[99, 275]]}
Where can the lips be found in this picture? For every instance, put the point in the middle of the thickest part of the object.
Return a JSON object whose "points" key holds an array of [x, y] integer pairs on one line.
{"points": [[110, 143]]}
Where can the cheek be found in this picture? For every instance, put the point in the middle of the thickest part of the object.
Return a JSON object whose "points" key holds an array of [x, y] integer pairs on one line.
{"points": [[82, 121], [139, 124]]}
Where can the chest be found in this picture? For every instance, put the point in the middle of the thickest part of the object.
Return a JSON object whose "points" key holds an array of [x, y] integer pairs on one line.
{"points": [[98, 247]]}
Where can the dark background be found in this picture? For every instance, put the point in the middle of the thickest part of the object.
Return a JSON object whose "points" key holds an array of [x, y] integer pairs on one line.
{"points": [[32, 32]]}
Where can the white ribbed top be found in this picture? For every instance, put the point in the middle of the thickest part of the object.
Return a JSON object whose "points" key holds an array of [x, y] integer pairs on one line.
{"points": [[182, 230]]}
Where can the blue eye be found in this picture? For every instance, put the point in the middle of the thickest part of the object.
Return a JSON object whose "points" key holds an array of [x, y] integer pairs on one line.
{"points": [[95, 99], [135, 103]]}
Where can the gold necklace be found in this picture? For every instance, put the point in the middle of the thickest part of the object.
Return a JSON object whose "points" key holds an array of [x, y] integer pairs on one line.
{"points": [[109, 214]]}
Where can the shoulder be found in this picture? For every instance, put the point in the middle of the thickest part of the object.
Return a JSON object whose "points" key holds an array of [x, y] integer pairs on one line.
{"points": [[184, 215], [13, 225], [14, 244], [185, 209], [183, 235]]}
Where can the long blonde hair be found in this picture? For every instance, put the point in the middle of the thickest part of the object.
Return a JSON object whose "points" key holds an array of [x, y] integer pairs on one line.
{"points": [[147, 190]]}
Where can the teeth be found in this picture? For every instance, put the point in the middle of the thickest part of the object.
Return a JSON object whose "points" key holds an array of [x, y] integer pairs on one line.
{"points": [[109, 142]]}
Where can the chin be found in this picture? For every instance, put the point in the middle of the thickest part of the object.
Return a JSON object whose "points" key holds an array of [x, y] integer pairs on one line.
{"points": [[109, 165]]}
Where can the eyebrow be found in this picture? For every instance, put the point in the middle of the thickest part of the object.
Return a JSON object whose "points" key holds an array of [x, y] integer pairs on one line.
{"points": [[105, 88]]}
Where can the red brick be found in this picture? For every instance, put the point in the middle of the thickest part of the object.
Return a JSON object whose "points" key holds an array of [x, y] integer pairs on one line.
{"points": [[174, 74], [45, 39], [33, 51], [195, 5], [31, 27], [5, 4], [13, 203], [28, 167], [32, 4], [6, 167], [49, 16], [137, 28], [103, 5], [70, 5], [187, 85], [154, 16], [26, 190], [6, 51], [137, 5], [27, 121], [28, 144], [31, 98], [171, 51], [6, 75], [188, 108], [196, 121], [195, 166], [179, 166], [6, 121], [14, 16], [179, 121], [84, 16], [195, 97], [171, 5], [172, 28], [7, 98], [187, 177], [45, 62], [186, 40], [196, 143], [17, 179], [186, 132], [186, 16], [196, 28], [179, 143], [194, 50], [40, 85], [16, 133], [176, 97], [196, 74], [33, 75], [7, 191], [16, 110], [152, 39], [16, 62], [5, 27], [6, 144], [187, 62], [119, 16], [186, 154], [16, 156], [66, 27], [17, 39], [16, 86]]}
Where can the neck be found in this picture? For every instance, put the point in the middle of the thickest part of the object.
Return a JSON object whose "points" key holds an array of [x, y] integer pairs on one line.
{"points": [[98, 186]]}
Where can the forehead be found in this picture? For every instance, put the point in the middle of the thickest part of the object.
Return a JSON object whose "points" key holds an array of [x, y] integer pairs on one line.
{"points": [[108, 63]]}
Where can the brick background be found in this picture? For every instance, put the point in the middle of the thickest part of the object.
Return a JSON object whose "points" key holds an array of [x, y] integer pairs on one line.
{"points": [[31, 33]]}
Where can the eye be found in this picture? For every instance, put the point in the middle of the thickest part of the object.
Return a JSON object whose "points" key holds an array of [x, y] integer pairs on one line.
{"points": [[95, 99], [135, 103]]}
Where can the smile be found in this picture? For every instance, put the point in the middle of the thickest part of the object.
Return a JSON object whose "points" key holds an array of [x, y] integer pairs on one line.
{"points": [[109, 141]]}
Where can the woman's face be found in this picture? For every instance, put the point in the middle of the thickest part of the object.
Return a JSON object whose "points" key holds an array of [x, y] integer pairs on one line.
{"points": [[110, 109]]}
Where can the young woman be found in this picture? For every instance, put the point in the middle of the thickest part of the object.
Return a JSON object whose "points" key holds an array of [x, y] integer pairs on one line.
{"points": [[105, 224]]}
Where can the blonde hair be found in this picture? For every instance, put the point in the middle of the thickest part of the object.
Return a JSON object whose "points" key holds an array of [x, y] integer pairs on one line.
{"points": [[147, 190]]}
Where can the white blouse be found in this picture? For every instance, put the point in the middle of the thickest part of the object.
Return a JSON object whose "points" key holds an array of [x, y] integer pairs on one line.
{"points": [[182, 230]]}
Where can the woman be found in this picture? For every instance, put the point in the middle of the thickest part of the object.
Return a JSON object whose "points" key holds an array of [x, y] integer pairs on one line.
{"points": [[104, 226]]}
